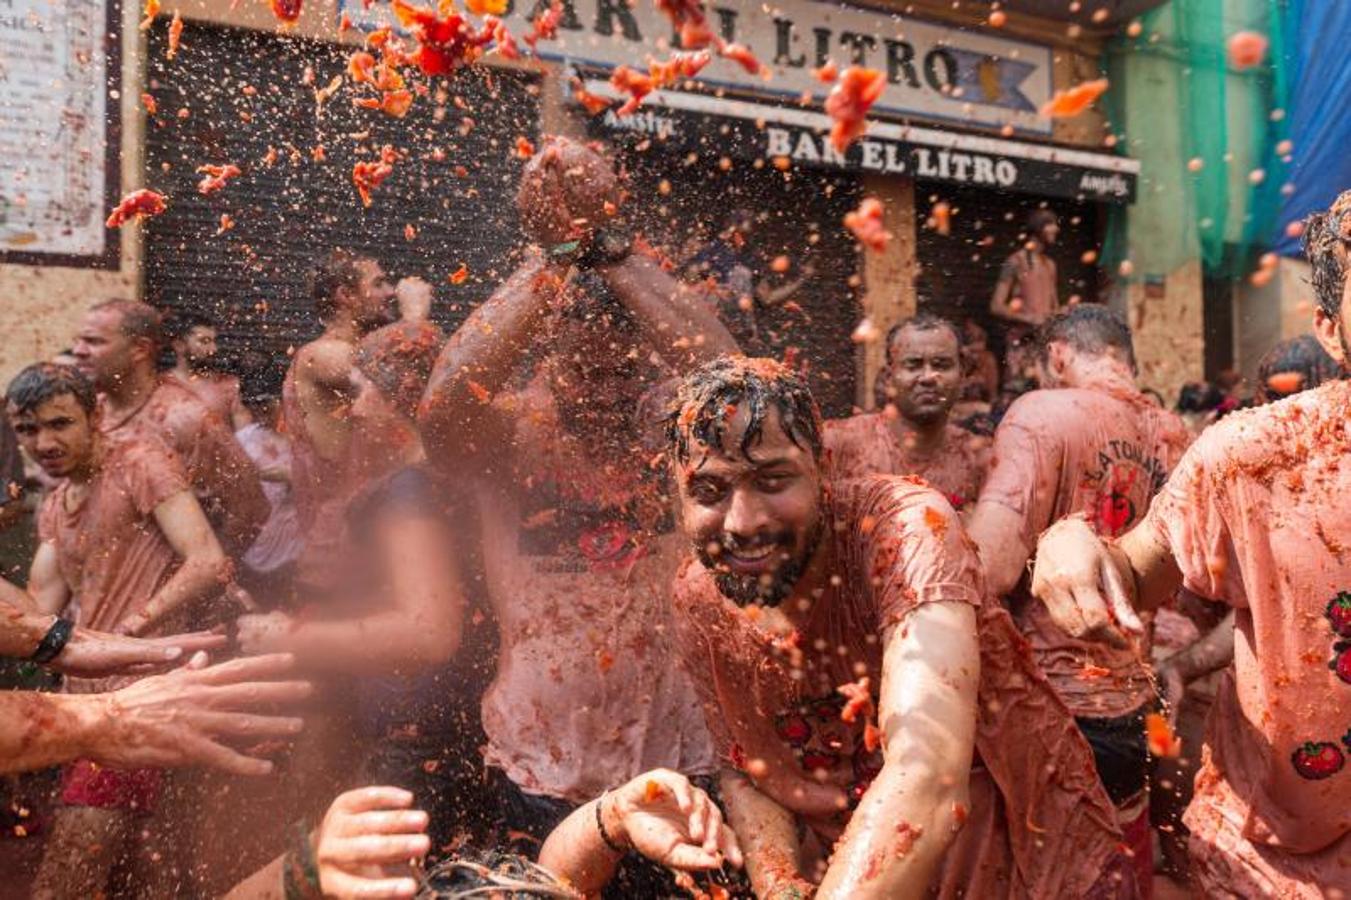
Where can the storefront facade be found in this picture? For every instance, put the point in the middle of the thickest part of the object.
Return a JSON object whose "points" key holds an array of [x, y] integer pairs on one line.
{"points": [[958, 123]]}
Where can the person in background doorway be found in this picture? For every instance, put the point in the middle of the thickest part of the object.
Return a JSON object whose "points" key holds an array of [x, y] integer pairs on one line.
{"points": [[192, 336], [1027, 293]]}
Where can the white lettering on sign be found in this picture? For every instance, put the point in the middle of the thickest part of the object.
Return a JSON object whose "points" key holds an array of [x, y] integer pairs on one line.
{"points": [[1103, 185], [645, 122], [932, 70]]}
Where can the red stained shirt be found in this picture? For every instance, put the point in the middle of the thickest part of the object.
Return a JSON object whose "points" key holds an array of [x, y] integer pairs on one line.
{"points": [[1103, 452], [897, 545], [1255, 517], [865, 445]]}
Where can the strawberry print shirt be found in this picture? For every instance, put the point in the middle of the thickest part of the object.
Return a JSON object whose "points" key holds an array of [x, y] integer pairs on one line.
{"points": [[1256, 517]]}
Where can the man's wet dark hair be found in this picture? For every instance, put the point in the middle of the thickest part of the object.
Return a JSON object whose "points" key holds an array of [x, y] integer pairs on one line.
{"points": [[1199, 397], [1088, 328], [1302, 355], [709, 395], [42, 382], [338, 269], [496, 874], [177, 325], [1327, 241], [924, 321], [138, 321]]}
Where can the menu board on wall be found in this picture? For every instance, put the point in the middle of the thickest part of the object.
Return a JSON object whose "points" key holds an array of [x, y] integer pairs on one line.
{"points": [[56, 131]]}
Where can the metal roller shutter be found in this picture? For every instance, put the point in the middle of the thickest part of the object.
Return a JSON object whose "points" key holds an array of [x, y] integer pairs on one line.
{"points": [[245, 93], [797, 216]]}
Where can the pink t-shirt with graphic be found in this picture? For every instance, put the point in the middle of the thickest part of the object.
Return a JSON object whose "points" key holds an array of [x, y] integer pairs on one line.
{"points": [[865, 445], [1256, 517], [1104, 452], [1040, 823]]}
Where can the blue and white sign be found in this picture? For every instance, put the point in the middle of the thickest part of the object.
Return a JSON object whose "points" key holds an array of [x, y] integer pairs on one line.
{"points": [[933, 71]]}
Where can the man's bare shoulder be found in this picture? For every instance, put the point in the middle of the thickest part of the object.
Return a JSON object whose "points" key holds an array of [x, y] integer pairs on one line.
{"points": [[322, 356], [852, 428]]}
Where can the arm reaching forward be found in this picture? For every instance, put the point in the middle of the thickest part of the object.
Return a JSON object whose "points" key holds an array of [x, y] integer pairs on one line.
{"points": [[1092, 589], [912, 810], [176, 719]]}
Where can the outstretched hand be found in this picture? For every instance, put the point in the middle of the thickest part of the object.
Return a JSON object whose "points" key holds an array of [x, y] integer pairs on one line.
{"points": [[364, 833], [184, 717], [98, 654], [672, 822], [1078, 580]]}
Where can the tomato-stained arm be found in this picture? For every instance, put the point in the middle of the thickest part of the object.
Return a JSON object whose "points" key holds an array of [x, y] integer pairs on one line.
{"points": [[927, 712], [457, 417], [679, 323]]}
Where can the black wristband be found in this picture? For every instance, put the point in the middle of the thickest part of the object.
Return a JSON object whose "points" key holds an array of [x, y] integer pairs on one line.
{"points": [[600, 826], [53, 642], [607, 246]]}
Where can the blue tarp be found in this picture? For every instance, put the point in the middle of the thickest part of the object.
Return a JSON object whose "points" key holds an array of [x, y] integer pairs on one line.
{"points": [[1318, 68]]}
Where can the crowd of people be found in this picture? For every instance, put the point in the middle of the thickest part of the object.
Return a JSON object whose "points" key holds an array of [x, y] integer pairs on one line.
{"points": [[583, 600]]}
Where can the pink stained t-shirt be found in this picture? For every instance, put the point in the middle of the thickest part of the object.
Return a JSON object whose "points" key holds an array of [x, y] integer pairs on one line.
{"points": [[1255, 517], [579, 564], [1104, 452], [222, 475], [865, 445], [1040, 824], [109, 549]]}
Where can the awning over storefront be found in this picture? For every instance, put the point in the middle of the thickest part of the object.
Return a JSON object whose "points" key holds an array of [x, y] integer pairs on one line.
{"points": [[741, 129]]}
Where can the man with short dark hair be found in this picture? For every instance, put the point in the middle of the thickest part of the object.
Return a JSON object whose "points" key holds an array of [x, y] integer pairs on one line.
{"points": [[353, 297], [193, 339], [850, 666], [913, 436], [124, 544], [1089, 443], [116, 348], [1255, 517]]}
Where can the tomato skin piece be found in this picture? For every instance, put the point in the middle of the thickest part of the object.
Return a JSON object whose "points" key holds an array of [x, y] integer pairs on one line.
{"points": [[286, 11], [136, 205]]}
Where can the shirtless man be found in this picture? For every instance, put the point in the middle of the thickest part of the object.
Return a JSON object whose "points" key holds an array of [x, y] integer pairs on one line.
{"points": [[1093, 445], [124, 540], [352, 296], [808, 603], [116, 348], [1253, 517], [914, 437], [193, 339], [575, 523]]}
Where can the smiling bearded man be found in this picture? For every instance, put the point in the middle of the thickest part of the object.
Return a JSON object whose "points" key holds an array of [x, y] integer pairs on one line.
{"points": [[809, 603]]}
